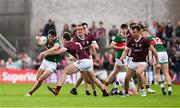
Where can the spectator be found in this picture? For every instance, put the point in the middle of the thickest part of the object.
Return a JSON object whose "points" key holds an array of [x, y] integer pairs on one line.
{"points": [[153, 28], [37, 63], [73, 29], [169, 30], [102, 35], [94, 31], [112, 33], [2, 63], [66, 28], [26, 61], [160, 30], [10, 64], [50, 25], [177, 30]]}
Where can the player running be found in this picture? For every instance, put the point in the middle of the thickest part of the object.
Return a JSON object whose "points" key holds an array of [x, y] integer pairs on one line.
{"points": [[118, 44], [90, 45], [83, 64], [139, 48], [163, 60], [49, 63]]}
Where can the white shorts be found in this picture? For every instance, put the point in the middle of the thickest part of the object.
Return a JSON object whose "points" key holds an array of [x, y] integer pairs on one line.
{"points": [[120, 78], [101, 74], [129, 59], [134, 65], [51, 66], [120, 63], [84, 65], [163, 57]]}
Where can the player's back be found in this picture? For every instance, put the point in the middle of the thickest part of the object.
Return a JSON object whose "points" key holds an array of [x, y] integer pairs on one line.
{"points": [[76, 50]]}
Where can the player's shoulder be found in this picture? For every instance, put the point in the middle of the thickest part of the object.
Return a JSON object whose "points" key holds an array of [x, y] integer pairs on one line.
{"points": [[90, 37], [150, 37], [56, 40]]}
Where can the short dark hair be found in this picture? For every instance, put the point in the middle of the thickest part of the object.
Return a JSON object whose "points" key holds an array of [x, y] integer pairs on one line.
{"points": [[73, 25], [84, 24], [52, 32], [132, 25], [124, 26], [145, 29], [67, 36], [137, 27]]}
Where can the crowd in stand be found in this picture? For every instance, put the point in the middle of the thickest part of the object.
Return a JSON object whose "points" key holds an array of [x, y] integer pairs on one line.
{"points": [[169, 34]]}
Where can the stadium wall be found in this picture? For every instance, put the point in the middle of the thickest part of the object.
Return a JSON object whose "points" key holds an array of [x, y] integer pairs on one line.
{"points": [[110, 11]]}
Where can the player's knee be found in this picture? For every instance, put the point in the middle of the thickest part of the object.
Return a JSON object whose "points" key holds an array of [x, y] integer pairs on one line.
{"points": [[40, 80], [65, 72], [139, 73]]}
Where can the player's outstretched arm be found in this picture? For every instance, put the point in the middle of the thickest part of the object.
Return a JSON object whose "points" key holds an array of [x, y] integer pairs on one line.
{"points": [[114, 46], [59, 51]]}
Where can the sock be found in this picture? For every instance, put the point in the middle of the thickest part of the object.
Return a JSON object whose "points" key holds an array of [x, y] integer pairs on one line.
{"points": [[142, 88], [147, 86], [30, 93], [169, 88], [126, 92], [58, 88], [161, 84], [106, 83], [115, 84], [74, 88]]}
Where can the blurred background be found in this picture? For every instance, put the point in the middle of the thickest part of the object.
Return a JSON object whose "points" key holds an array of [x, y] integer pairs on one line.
{"points": [[22, 20]]}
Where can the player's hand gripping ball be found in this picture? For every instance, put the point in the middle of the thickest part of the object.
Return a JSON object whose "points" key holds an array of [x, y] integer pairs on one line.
{"points": [[41, 40]]}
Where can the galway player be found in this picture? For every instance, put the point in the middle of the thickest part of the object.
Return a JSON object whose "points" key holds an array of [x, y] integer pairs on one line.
{"points": [[83, 64], [90, 45], [139, 48]]}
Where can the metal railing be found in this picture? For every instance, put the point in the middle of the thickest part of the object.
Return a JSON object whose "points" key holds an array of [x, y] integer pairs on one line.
{"points": [[7, 47]]}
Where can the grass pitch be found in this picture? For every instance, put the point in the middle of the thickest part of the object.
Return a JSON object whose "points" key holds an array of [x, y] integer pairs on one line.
{"points": [[12, 95]]}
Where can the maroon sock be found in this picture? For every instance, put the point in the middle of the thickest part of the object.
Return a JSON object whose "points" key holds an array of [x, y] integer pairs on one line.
{"points": [[30, 93], [104, 91], [58, 88]]}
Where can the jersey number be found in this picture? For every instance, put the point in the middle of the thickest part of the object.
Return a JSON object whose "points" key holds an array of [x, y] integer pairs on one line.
{"points": [[157, 41], [80, 46], [77, 43]]}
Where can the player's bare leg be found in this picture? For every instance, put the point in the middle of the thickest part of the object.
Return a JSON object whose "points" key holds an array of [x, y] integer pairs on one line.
{"points": [[140, 74], [158, 79], [39, 73], [129, 74], [165, 69], [116, 69], [148, 89], [70, 69], [93, 78], [77, 84], [39, 82]]}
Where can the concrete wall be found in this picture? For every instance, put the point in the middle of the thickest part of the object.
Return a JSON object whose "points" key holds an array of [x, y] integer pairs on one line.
{"points": [[14, 23], [109, 11]]}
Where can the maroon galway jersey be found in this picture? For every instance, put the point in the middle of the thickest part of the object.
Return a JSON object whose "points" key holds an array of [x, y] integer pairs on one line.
{"points": [[76, 50], [86, 42], [139, 49]]}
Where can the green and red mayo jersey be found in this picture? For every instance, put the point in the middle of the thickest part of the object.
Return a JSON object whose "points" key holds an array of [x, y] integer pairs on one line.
{"points": [[157, 43], [53, 58], [120, 41]]}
